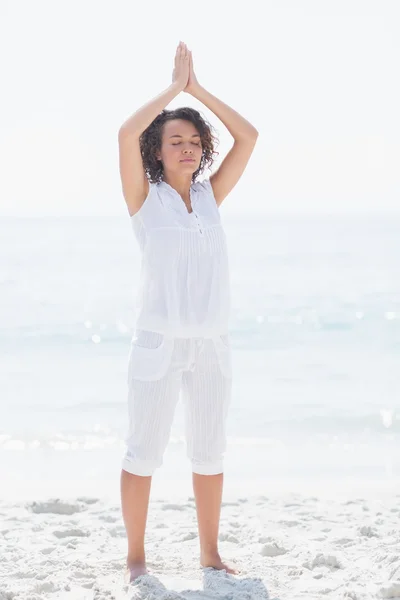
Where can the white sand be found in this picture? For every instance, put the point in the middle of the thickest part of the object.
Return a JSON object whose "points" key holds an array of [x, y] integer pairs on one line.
{"points": [[287, 545]]}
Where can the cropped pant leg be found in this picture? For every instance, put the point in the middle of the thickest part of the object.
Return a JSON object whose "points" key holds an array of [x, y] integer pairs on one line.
{"points": [[207, 396], [153, 392]]}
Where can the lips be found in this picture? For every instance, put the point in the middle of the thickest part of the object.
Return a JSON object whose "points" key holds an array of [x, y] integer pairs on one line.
{"points": [[187, 160]]}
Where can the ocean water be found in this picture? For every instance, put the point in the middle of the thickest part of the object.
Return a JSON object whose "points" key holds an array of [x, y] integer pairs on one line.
{"points": [[315, 331]]}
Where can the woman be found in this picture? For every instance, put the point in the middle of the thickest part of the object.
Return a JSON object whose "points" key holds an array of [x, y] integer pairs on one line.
{"points": [[181, 341]]}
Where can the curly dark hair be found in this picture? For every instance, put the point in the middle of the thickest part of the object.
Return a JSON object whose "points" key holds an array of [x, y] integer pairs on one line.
{"points": [[151, 139]]}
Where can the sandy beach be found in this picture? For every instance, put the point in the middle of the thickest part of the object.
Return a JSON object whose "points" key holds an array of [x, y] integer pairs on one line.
{"points": [[287, 545]]}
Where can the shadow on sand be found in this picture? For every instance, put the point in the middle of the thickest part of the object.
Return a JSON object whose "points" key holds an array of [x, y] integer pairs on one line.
{"points": [[217, 585]]}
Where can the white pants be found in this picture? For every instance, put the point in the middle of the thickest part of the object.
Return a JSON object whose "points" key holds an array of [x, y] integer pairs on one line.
{"points": [[160, 367]]}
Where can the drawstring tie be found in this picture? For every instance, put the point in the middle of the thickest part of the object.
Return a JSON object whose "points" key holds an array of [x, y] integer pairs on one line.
{"points": [[199, 345]]}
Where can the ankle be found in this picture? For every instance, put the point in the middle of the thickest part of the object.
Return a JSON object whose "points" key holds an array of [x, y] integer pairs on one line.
{"points": [[209, 553], [136, 558]]}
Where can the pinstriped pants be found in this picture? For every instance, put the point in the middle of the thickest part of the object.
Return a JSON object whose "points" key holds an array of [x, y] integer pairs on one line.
{"points": [[160, 368]]}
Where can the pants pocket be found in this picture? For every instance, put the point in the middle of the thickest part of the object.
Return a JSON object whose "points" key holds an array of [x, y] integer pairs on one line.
{"points": [[224, 352], [149, 356]]}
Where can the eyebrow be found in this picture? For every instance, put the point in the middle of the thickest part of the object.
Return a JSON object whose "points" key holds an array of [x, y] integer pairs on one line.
{"points": [[179, 136]]}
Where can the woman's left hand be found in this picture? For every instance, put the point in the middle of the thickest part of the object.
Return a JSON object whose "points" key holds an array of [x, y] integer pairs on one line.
{"points": [[192, 83]]}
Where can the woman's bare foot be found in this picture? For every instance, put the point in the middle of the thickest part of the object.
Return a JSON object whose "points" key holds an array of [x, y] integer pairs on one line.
{"points": [[214, 561], [134, 570]]}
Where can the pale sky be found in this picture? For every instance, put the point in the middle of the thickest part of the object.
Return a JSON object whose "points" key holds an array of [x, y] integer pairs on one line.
{"points": [[318, 79]]}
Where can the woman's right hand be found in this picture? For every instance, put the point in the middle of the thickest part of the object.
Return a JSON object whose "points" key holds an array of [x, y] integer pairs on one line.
{"points": [[180, 74]]}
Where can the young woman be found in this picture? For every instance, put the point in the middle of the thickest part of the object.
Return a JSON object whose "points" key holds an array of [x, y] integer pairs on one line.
{"points": [[181, 341]]}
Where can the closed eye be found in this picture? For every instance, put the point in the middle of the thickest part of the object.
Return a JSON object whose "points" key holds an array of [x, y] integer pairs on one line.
{"points": [[196, 144]]}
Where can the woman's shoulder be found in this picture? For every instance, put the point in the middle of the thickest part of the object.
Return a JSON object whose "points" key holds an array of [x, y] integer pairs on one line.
{"points": [[147, 205], [205, 189], [203, 186]]}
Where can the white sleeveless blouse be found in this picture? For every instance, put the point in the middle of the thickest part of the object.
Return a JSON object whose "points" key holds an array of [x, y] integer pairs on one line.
{"points": [[184, 287]]}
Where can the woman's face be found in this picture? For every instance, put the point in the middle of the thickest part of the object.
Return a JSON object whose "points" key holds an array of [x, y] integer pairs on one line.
{"points": [[180, 141]]}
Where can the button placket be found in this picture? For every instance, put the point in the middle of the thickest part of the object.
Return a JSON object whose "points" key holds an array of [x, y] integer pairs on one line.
{"points": [[198, 223]]}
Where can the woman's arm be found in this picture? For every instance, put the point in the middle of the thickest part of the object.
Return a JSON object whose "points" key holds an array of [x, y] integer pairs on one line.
{"points": [[244, 133], [135, 185]]}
